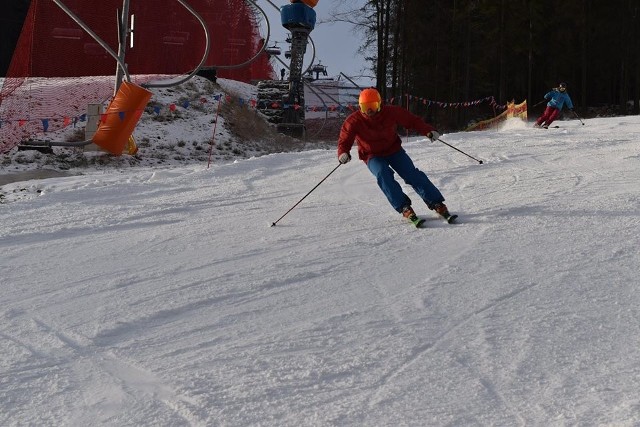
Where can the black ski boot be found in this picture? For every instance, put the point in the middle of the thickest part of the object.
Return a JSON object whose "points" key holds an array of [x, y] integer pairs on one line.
{"points": [[441, 208]]}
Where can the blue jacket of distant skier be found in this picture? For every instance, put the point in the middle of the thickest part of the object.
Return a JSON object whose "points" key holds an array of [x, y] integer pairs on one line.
{"points": [[558, 99]]}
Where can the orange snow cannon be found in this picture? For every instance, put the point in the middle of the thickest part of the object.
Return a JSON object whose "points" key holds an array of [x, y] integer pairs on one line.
{"points": [[120, 119]]}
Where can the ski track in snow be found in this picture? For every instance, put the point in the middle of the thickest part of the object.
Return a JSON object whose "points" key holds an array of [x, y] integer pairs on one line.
{"points": [[163, 297]]}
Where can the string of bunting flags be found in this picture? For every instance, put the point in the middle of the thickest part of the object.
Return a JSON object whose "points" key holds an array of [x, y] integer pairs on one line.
{"points": [[67, 120], [428, 102], [411, 98]]}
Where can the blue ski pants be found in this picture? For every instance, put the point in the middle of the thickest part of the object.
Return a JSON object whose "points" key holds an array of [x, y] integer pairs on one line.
{"points": [[383, 169]]}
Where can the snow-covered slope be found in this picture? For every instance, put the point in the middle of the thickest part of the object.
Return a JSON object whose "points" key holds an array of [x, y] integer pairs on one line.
{"points": [[153, 296]]}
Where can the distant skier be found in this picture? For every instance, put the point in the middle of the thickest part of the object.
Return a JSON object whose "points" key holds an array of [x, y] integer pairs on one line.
{"points": [[374, 128], [557, 97]]}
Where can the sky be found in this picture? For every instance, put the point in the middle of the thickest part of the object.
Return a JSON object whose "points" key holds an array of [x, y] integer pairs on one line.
{"points": [[158, 294], [336, 44]]}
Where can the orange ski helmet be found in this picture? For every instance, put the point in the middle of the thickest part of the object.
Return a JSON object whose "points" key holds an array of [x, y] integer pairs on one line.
{"points": [[370, 100]]}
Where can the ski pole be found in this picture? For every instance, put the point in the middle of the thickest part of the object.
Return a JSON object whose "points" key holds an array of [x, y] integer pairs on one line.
{"points": [[317, 185], [541, 102], [479, 161], [574, 112]]}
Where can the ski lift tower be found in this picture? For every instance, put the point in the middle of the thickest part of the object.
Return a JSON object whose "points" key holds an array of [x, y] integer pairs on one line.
{"points": [[300, 19]]}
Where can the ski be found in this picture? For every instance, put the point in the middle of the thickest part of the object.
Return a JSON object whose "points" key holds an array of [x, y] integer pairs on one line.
{"points": [[420, 222]]}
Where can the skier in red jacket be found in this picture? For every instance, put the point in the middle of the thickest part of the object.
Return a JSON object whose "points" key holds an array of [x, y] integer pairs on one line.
{"points": [[374, 128]]}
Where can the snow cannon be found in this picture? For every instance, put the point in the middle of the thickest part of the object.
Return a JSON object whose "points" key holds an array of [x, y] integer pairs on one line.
{"points": [[298, 15], [120, 119]]}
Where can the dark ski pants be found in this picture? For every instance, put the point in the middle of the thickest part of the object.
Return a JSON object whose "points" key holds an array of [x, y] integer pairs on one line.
{"points": [[383, 169], [549, 115]]}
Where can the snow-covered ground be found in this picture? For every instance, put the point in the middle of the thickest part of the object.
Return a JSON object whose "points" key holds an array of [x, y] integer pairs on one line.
{"points": [[153, 296]]}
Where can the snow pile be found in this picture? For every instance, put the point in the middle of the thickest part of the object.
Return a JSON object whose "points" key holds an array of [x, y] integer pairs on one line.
{"points": [[161, 296]]}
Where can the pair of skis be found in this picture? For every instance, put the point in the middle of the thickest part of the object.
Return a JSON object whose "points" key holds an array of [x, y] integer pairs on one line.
{"points": [[419, 223]]}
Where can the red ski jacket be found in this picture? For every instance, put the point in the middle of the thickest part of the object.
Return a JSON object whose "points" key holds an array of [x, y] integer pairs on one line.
{"points": [[377, 136]]}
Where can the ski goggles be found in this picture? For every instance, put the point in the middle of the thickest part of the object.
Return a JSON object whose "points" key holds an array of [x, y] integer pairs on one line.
{"points": [[365, 107]]}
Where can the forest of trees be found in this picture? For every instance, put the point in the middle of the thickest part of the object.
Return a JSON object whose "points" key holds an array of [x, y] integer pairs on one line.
{"points": [[457, 50]]}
